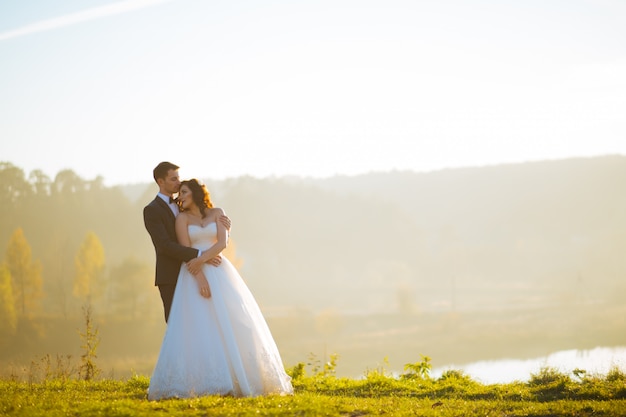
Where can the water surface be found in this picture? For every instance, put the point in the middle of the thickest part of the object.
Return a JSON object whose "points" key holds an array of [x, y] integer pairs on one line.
{"points": [[597, 361]]}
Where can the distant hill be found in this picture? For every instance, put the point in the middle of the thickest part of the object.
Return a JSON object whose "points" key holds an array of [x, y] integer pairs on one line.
{"points": [[472, 237], [560, 197]]}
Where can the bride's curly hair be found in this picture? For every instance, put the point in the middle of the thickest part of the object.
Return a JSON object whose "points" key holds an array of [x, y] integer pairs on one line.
{"points": [[199, 194]]}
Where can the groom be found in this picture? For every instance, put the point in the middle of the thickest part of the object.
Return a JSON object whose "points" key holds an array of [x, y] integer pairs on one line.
{"points": [[159, 218]]}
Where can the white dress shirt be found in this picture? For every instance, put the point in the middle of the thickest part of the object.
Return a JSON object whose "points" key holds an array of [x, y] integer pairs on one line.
{"points": [[173, 206]]}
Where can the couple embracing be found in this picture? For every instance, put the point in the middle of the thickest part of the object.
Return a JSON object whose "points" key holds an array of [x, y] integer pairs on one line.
{"points": [[216, 341]]}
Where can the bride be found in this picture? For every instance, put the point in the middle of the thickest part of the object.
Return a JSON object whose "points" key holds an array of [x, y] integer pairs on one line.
{"points": [[216, 341]]}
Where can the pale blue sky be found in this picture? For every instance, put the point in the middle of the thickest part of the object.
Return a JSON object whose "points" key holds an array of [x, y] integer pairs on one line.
{"points": [[309, 88]]}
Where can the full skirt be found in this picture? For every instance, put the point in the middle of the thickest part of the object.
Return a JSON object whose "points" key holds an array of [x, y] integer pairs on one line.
{"points": [[220, 345]]}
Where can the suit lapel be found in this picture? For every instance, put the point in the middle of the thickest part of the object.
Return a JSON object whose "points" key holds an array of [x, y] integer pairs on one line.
{"points": [[164, 205]]}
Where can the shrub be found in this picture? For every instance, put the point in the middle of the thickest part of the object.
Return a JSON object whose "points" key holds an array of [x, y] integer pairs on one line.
{"points": [[550, 384], [418, 370], [616, 375], [297, 371]]}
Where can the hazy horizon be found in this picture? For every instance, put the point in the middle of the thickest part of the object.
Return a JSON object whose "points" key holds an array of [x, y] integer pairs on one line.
{"points": [[183, 170]]}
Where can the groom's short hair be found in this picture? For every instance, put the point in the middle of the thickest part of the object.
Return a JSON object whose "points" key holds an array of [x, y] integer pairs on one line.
{"points": [[161, 170]]}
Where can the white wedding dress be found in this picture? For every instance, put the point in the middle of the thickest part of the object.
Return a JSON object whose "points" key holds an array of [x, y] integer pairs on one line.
{"points": [[220, 345]]}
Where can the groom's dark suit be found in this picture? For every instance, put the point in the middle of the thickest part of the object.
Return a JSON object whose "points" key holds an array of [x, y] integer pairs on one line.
{"points": [[160, 223]]}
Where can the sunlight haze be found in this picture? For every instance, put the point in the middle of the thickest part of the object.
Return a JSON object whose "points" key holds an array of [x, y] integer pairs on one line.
{"points": [[232, 88]]}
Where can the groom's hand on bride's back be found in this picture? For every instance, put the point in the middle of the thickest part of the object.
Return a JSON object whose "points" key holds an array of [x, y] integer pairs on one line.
{"points": [[225, 220]]}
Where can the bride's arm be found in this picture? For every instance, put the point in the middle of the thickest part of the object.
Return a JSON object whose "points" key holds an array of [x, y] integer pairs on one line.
{"points": [[182, 234]]}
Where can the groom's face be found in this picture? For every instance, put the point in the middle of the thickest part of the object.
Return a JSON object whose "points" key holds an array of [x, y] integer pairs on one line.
{"points": [[171, 184]]}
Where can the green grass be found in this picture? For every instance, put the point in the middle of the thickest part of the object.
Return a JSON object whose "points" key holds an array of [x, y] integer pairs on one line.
{"points": [[547, 393]]}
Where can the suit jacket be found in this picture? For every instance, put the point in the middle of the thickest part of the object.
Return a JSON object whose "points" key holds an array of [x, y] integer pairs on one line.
{"points": [[160, 224]]}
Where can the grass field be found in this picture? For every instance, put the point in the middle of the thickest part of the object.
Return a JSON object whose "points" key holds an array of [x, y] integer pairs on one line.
{"points": [[77, 386], [547, 393]]}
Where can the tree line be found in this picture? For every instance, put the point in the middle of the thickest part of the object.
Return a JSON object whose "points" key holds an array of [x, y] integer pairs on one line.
{"points": [[54, 262]]}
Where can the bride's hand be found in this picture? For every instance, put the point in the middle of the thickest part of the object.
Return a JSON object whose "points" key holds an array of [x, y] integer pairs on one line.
{"points": [[217, 261], [194, 266], [203, 286]]}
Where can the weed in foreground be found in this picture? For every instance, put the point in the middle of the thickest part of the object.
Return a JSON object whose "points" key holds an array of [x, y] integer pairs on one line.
{"points": [[88, 369]]}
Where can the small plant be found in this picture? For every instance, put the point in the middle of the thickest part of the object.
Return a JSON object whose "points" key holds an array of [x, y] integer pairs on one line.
{"points": [[88, 369], [297, 371], [550, 384], [455, 375], [580, 374], [418, 370], [616, 375], [138, 382], [59, 369], [330, 367], [380, 371], [548, 376], [313, 363]]}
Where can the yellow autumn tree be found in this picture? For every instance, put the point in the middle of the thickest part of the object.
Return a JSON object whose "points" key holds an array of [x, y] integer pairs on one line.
{"points": [[25, 274], [8, 324], [89, 264]]}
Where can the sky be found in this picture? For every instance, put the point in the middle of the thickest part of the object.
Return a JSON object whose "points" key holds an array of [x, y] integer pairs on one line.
{"points": [[307, 88]]}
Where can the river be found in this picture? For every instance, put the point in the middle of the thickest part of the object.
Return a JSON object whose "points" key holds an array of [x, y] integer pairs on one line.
{"points": [[597, 361]]}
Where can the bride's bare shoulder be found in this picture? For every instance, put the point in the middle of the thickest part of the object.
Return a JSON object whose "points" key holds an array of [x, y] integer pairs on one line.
{"points": [[217, 212]]}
